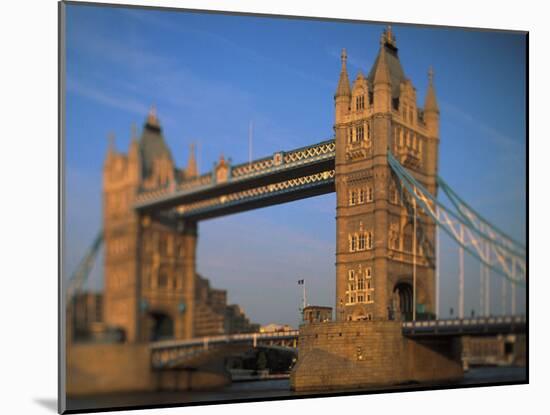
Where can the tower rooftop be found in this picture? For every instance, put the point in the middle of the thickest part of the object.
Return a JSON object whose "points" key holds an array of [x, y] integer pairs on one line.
{"points": [[151, 144], [397, 75]]}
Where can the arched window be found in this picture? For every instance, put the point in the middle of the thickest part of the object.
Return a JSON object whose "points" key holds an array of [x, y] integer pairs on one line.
{"points": [[352, 197], [361, 242], [360, 102], [361, 283], [369, 240], [370, 194], [353, 243], [359, 133]]}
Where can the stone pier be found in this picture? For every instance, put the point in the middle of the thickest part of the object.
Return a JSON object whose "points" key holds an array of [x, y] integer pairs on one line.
{"points": [[363, 354], [95, 369]]}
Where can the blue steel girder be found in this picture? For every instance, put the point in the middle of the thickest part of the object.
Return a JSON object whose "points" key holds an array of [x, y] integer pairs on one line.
{"points": [[80, 276], [283, 166], [507, 260]]}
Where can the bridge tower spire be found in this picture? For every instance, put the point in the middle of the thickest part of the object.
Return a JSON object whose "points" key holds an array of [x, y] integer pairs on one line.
{"points": [[192, 162], [431, 108], [343, 93]]}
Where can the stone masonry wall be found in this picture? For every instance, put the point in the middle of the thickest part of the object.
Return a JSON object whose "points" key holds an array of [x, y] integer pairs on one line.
{"points": [[357, 354]]}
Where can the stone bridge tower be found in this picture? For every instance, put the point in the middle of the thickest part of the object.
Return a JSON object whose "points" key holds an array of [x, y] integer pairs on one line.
{"points": [[149, 266], [374, 247]]}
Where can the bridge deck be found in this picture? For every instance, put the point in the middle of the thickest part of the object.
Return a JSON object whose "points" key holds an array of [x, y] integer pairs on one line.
{"points": [[168, 353], [470, 326]]}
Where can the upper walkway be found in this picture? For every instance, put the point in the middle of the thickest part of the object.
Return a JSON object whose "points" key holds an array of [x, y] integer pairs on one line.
{"points": [[286, 176]]}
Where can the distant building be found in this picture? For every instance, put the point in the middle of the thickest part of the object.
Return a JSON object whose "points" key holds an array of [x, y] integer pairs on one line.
{"points": [[86, 310], [317, 314], [213, 315], [237, 322], [493, 350], [274, 327]]}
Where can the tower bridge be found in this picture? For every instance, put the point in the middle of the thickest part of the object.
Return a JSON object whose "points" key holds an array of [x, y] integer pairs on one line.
{"points": [[383, 166]]}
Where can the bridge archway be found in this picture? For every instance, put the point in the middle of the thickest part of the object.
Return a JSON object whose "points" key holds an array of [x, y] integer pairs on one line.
{"points": [[161, 326], [403, 293]]}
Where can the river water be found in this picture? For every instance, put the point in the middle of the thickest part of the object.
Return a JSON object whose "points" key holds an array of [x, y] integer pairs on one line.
{"points": [[258, 390]]}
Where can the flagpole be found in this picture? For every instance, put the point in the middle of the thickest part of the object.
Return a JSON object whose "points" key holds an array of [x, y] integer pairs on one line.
{"points": [[305, 300]]}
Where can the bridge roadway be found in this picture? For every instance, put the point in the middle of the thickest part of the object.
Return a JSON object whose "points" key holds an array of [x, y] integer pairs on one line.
{"points": [[170, 353], [481, 326]]}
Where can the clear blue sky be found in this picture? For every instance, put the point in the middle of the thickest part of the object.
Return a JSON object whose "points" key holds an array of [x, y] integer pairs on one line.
{"points": [[209, 75]]}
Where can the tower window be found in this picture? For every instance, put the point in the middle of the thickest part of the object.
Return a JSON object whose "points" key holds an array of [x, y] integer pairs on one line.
{"points": [[369, 240], [361, 242], [353, 243], [360, 102], [351, 275], [353, 198], [350, 136], [359, 134], [361, 283], [370, 195], [368, 272], [361, 196]]}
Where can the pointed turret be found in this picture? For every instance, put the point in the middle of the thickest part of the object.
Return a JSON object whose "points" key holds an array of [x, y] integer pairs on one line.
{"points": [[431, 109], [382, 80], [382, 72], [343, 89], [387, 67], [111, 151], [134, 166], [152, 119], [134, 145], [430, 105], [342, 97], [431, 120], [153, 148], [191, 170]]}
